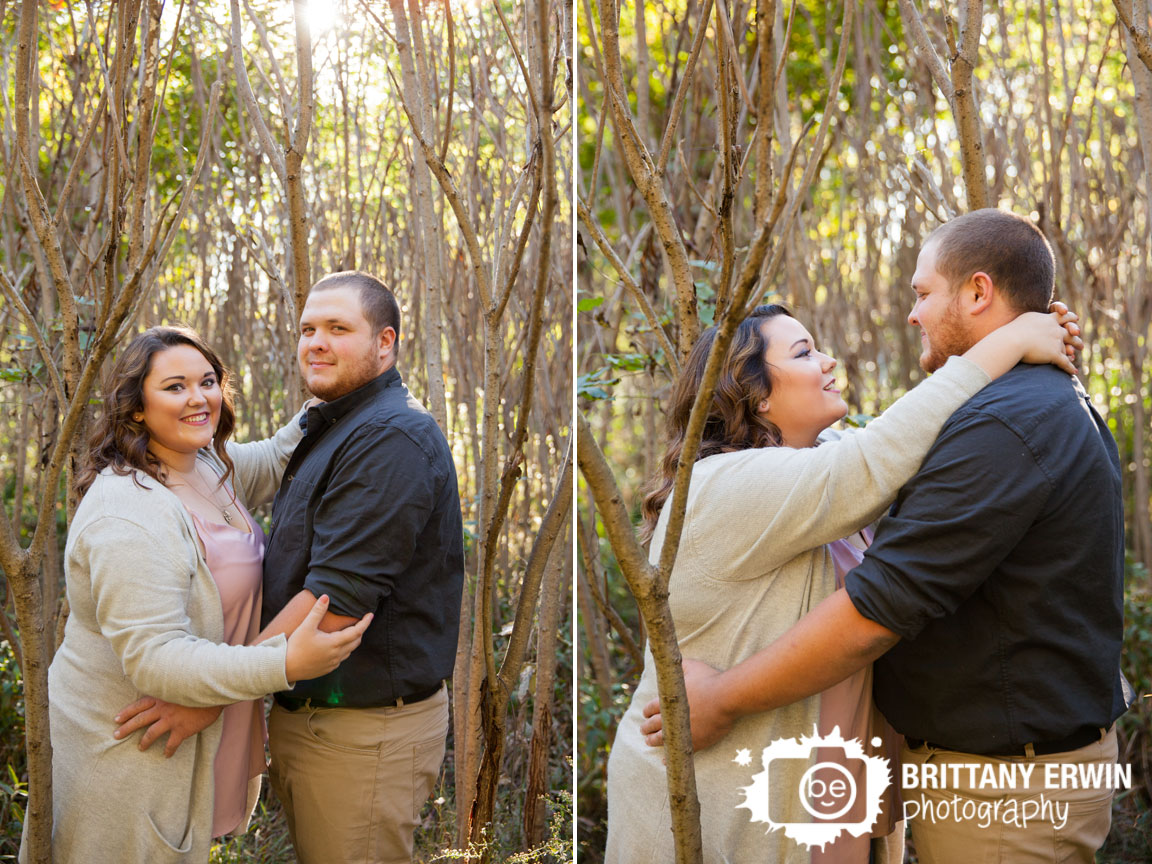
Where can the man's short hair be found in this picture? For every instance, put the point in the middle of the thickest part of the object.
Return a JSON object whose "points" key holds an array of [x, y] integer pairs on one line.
{"points": [[1007, 247], [377, 303]]}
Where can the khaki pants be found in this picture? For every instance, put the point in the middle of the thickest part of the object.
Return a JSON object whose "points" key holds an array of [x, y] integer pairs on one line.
{"points": [[353, 780], [996, 840]]}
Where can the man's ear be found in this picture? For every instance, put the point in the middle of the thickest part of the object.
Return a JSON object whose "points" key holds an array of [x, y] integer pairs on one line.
{"points": [[978, 293], [387, 342]]}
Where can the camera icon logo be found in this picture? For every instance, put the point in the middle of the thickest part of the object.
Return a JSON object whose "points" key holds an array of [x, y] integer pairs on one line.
{"points": [[825, 787], [817, 787]]}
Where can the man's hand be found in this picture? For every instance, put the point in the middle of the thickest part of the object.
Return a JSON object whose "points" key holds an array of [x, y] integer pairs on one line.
{"points": [[178, 721], [710, 722]]}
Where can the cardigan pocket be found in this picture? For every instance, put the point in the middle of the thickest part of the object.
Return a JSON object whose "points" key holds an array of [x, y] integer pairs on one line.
{"points": [[168, 851]]}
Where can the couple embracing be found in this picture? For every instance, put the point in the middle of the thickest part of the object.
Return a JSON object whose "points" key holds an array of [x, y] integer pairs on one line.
{"points": [[980, 626], [183, 616]]}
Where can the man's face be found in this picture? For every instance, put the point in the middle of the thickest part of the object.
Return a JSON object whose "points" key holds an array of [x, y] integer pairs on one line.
{"points": [[943, 332], [338, 352]]}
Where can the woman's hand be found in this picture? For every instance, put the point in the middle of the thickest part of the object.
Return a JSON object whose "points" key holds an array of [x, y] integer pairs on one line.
{"points": [[1041, 342], [1073, 344], [312, 652], [179, 721], [1033, 337]]}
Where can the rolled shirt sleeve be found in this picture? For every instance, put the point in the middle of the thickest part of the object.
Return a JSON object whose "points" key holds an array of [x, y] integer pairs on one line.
{"points": [[951, 526]]}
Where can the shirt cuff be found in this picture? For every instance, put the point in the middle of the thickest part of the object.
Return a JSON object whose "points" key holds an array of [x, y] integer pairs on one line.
{"points": [[347, 595], [870, 591]]}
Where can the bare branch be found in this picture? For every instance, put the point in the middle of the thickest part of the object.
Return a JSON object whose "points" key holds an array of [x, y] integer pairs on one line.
{"points": [[650, 588], [682, 88], [463, 219], [12, 292], [551, 527], [1137, 28], [637, 294], [255, 116], [914, 25]]}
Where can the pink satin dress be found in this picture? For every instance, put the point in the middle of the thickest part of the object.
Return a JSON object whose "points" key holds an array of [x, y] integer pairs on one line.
{"points": [[236, 560], [848, 705]]}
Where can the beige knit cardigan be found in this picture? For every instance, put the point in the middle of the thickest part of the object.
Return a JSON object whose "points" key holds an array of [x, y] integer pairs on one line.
{"points": [[146, 619], [751, 562]]}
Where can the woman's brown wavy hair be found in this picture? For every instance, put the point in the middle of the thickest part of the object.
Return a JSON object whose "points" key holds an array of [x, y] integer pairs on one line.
{"points": [[121, 442], [733, 420]]}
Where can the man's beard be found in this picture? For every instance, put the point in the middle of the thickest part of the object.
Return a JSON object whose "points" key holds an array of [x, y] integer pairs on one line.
{"points": [[349, 379], [948, 339]]}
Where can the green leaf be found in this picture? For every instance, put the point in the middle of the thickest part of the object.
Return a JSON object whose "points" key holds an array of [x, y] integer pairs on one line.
{"points": [[585, 304], [591, 385], [628, 362], [594, 393]]}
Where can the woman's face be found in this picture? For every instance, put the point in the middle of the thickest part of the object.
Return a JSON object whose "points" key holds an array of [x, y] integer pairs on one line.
{"points": [[182, 399], [805, 399]]}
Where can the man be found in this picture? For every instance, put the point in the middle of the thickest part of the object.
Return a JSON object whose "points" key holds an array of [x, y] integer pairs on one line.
{"points": [[992, 596], [368, 513]]}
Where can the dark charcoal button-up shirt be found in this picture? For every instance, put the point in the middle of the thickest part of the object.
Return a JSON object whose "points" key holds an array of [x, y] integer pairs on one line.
{"points": [[368, 513], [1001, 566]]}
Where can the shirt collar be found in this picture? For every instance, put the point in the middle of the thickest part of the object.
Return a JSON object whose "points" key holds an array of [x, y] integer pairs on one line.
{"points": [[332, 411]]}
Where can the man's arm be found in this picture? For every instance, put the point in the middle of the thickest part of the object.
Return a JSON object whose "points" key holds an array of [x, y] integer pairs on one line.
{"points": [[178, 722], [295, 611], [952, 525], [822, 649]]}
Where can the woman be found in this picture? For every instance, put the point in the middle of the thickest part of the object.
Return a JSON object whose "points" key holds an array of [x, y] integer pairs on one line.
{"points": [[763, 508], [163, 563]]}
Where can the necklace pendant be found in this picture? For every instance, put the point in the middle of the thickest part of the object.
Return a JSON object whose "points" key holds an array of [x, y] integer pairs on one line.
{"points": [[227, 515]]}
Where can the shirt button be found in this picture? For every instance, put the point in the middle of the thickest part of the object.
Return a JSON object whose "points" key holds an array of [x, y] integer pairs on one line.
{"points": [[291, 477]]}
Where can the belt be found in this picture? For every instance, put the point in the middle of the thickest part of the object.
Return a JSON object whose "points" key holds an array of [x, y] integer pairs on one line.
{"points": [[1082, 737], [294, 703]]}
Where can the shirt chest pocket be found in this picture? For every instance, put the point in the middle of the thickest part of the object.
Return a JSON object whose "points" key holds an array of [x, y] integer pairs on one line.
{"points": [[292, 512]]}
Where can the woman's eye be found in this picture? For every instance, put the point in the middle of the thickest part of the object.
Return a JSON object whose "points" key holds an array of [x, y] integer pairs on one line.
{"points": [[209, 382], [807, 352]]}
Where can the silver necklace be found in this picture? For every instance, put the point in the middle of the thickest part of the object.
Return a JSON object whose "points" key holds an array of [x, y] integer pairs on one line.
{"points": [[223, 508]]}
